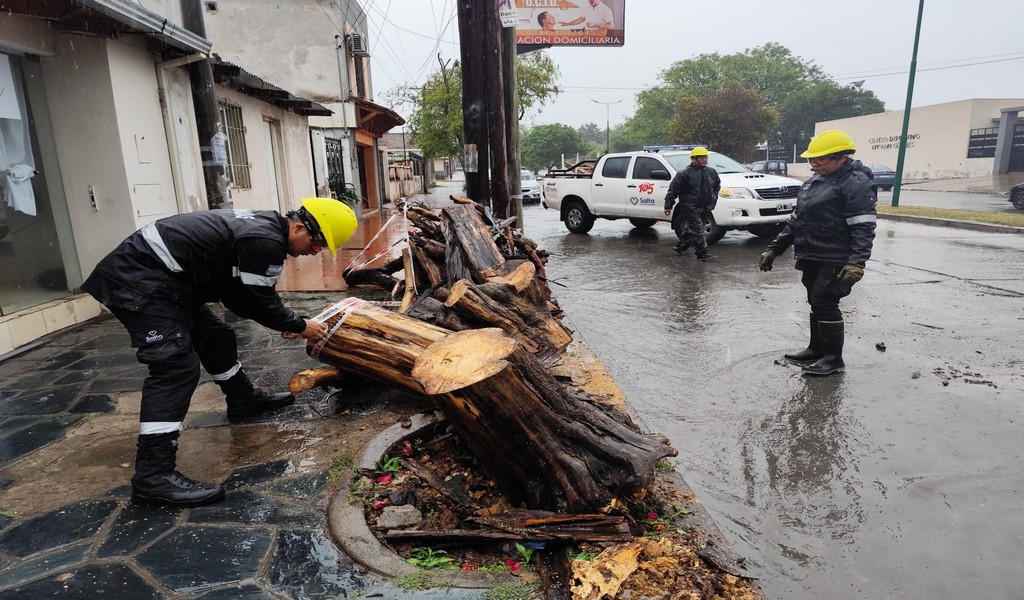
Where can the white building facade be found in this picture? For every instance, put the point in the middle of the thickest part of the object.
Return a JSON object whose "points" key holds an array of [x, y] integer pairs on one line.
{"points": [[968, 138], [98, 137]]}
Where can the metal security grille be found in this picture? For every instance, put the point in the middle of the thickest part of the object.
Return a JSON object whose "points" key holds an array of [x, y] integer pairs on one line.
{"points": [[335, 170], [238, 157], [982, 142], [1017, 149]]}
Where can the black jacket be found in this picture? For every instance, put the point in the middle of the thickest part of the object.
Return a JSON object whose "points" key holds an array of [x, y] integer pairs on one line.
{"points": [[696, 187], [834, 219], [175, 265]]}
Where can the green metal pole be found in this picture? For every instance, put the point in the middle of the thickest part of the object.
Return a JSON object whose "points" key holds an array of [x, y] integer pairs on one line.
{"points": [[906, 111]]}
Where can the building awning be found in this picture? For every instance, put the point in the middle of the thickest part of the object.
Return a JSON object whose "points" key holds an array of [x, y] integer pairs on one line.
{"points": [[109, 18], [244, 82], [374, 118]]}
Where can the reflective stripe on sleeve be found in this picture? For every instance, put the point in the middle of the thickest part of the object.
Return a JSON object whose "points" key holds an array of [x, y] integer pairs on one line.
{"points": [[253, 279], [152, 237], [159, 427], [861, 219]]}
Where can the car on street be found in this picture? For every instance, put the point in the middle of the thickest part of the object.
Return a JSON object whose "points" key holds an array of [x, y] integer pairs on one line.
{"points": [[772, 167], [885, 177], [1017, 196], [530, 187]]}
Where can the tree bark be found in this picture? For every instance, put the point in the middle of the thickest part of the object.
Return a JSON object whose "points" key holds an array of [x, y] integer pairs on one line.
{"points": [[545, 446]]}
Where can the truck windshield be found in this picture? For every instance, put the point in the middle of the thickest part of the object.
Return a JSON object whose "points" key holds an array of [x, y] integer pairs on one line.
{"points": [[718, 162]]}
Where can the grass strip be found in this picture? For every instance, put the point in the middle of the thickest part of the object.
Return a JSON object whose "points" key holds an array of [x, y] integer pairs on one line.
{"points": [[979, 216]]}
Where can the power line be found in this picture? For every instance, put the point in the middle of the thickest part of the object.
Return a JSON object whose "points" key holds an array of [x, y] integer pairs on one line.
{"points": [[901, 72]]}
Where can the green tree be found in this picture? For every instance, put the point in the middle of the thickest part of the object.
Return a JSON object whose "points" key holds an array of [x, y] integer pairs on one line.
{"points": [[536, 81], [436, 120], [821, 102], [771, 71], [730, 120], [544, 145], [592, 132], [436, 117]]}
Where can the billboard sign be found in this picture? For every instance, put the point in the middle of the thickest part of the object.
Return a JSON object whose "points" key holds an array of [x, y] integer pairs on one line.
{"points": [[570, 22]]}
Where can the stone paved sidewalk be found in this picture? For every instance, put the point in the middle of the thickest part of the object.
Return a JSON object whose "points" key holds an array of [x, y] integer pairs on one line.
{"points": [[68, 421]]}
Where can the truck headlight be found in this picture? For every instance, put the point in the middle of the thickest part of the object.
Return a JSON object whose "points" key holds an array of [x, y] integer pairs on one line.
{"points": [[736, 193]]}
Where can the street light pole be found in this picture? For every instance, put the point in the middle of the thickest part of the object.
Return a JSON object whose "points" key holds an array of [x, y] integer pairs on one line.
{"points": [[607, 124], [898, 184]]}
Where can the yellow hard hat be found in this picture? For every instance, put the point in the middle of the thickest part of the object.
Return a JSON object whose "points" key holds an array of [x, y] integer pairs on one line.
{"points": [[698, 151], [334, 220], [828, 142]]}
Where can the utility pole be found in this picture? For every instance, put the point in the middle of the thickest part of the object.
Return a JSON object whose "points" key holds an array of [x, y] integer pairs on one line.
{"points": [[476, 159], [495, 97], [906, 111], [212, 149], [508, 64]]}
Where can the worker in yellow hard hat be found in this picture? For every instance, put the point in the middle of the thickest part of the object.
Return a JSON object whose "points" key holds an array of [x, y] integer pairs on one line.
{"points": [[696, 187], [831, 230], [158, 283], [328, 222]]}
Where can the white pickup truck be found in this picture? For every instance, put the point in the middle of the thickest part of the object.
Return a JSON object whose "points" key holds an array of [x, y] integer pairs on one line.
{"points": [[633, 185]]}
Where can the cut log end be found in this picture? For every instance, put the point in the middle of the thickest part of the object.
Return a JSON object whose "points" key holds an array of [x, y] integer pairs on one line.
{"points": [[463, 358], [304, 380]]}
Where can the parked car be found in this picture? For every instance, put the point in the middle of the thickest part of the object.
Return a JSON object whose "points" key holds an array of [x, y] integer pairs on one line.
{"points": [[885, 177], [1017, 196], [772, 167], [530, 187]]}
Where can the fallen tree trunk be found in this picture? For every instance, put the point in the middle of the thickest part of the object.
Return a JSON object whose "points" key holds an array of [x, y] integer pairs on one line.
{"points": [[545, 447]]}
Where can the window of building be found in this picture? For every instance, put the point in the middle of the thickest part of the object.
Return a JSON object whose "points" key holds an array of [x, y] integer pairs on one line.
{"points": [[237, 169], [360, 77]]}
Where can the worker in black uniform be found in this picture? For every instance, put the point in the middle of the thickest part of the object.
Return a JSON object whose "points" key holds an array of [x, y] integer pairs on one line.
{"points": [[831, 230], [697, 188], [158, 282]]}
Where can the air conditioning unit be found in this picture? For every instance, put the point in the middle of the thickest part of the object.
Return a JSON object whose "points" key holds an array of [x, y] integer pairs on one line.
{"points": [[357, 45]]}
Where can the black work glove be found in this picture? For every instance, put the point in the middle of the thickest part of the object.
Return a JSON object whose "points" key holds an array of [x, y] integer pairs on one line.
{"points": [[766, 260]]}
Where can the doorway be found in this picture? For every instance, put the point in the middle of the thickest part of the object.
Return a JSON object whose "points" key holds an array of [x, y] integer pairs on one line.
{"points": [[31, 259]]}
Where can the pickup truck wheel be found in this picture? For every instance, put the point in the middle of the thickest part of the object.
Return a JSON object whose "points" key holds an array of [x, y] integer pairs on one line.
{"points": [[766, 231], [713, 231], [578, 219], [643, 222], [1018, 199]]}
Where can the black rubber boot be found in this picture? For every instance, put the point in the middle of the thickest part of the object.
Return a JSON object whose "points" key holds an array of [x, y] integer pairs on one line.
{"points": [[831, 348], [157, 482], [706, 257], [813, 350], [682, 249], [246, 400]]}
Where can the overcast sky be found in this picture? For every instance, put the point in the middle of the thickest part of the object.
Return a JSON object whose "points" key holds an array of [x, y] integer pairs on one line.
{"points": [[968, 49]]}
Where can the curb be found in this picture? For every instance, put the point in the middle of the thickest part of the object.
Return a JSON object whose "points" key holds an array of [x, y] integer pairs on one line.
{"points": [[955, 224], [347, 525]]}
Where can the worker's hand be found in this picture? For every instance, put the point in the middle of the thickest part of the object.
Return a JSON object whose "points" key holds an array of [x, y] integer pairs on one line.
{"points": [[766, 260], [314, 331], [850, 274]]}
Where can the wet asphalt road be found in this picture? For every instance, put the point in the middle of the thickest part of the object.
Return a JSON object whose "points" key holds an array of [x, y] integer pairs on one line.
{"points": [[900, 478]]}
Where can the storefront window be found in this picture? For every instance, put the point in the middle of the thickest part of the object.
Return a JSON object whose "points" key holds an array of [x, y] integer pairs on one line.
{"points": [[31, 266]]}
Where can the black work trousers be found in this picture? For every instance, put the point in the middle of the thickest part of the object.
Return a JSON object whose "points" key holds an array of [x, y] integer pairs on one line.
{"points": [[689, 227], [823, 289], [173, 350]]}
